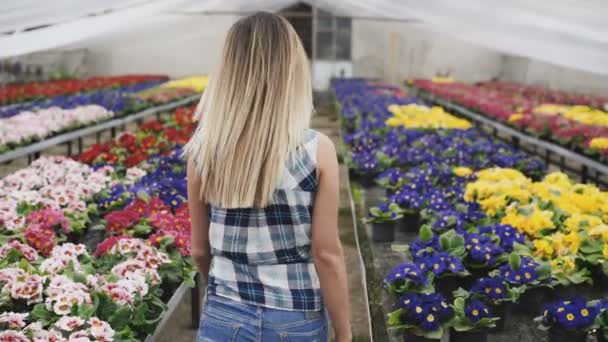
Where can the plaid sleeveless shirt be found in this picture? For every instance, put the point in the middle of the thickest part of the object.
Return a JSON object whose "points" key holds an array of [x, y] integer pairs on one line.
{"points": [[262, 256]]}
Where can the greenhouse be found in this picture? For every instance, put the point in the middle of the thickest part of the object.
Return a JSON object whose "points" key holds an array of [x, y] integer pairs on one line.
{"points": [[471, 137]]}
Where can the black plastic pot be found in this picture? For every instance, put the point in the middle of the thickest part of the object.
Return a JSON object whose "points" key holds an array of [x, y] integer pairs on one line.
{"points": [[374, 194], [531, 302], [559, 335], [599, 336], [410, 223], [365, 180], [501, 311], [409, 337], [384, 231], [468, 336], [447, 285]]}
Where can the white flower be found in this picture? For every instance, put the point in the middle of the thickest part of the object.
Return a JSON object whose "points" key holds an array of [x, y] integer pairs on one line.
{"points": [[100, 330], [62, 308], [13, 336], [14, 320], [80, 336], [69, 323]]}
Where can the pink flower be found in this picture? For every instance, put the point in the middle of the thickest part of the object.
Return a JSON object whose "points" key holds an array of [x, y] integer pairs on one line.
{"points": [[69, 323], [14, 320], [12, 336], [80, 336], [28, 253]]}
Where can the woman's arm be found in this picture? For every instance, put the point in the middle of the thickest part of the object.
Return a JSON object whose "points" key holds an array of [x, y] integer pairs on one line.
{"points": [[199, 220], [326, 246]]}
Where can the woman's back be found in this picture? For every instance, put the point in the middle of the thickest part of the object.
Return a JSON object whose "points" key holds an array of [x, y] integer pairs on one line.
{"points": [[263, 195], [263, 255]]}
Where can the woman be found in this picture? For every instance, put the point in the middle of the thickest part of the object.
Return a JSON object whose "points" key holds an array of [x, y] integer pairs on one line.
{"points": [[263, 196]]}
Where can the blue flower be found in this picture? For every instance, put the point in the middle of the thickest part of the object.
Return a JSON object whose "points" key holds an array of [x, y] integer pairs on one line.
{"points": [[407, 199], [476, 310], [448, 219], [409, 272], [409, 301], [492, 288], [418, 248], [525, 274], [572, 314], [430, 321], [439, 262]]}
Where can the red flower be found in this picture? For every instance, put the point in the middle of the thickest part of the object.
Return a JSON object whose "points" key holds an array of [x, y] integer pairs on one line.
{"points": [[127, 140], [43, 240], [148, 141], [110, 158], [154, 126], [117, 221], [139, 206], [107, 244], [156, 205]]}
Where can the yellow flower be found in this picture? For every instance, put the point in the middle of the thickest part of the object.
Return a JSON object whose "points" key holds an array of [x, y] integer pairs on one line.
{"points": [[442, 80], [543, 248], [573, 242], [515, 117], [418, 116], [577, 222], [196, 83], [462, 171], [598, 143], [491, 205]]}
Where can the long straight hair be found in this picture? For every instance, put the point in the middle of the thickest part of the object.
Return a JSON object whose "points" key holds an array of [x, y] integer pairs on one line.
{"points": [[254, 113]]}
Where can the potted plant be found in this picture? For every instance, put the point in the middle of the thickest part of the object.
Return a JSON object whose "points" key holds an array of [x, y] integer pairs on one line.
{"points": [[472, 320], [569, 320], [410, 203], [383, 218], [408, 277], [365, 165], [390, 180], [527, 277], [420, 317], [601, 322], [496, 292]]}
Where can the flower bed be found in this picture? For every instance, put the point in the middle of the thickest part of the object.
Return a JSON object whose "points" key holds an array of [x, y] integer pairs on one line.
{"points": [[94, 253], [490, 240], [574, 121], [14, 93], [27, 127], [117, 100], [150, 138]]}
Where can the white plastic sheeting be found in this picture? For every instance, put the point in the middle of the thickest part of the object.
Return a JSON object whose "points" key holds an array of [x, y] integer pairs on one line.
{"points": [[69, 21], [571, 33]]}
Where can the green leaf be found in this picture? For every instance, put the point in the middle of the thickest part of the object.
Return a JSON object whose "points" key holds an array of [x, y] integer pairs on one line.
{"points": [[40, 313], [435, 335], [425, 233], [459, 304], [375, 211], [444, 241], [514, 261], [120, 317], [394, 318]]}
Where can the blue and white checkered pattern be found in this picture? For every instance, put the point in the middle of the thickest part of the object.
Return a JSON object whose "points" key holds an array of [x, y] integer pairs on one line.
{"points": [[262, 256]]}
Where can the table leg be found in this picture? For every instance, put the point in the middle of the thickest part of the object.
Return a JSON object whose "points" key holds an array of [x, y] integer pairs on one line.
{"points": [[196, 301]]}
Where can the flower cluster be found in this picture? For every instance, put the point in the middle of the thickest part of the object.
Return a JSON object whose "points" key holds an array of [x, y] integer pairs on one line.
{"points": [[425, 311], [25, 251], [574, 314], [542, 112], [19, 129], [49, 182]]}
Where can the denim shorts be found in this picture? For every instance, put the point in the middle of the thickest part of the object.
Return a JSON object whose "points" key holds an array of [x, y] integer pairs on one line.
{"points": [[225, 320]]}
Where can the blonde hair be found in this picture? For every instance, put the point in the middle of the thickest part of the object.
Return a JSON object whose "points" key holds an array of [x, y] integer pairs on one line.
{"points": [[254, 113]]}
